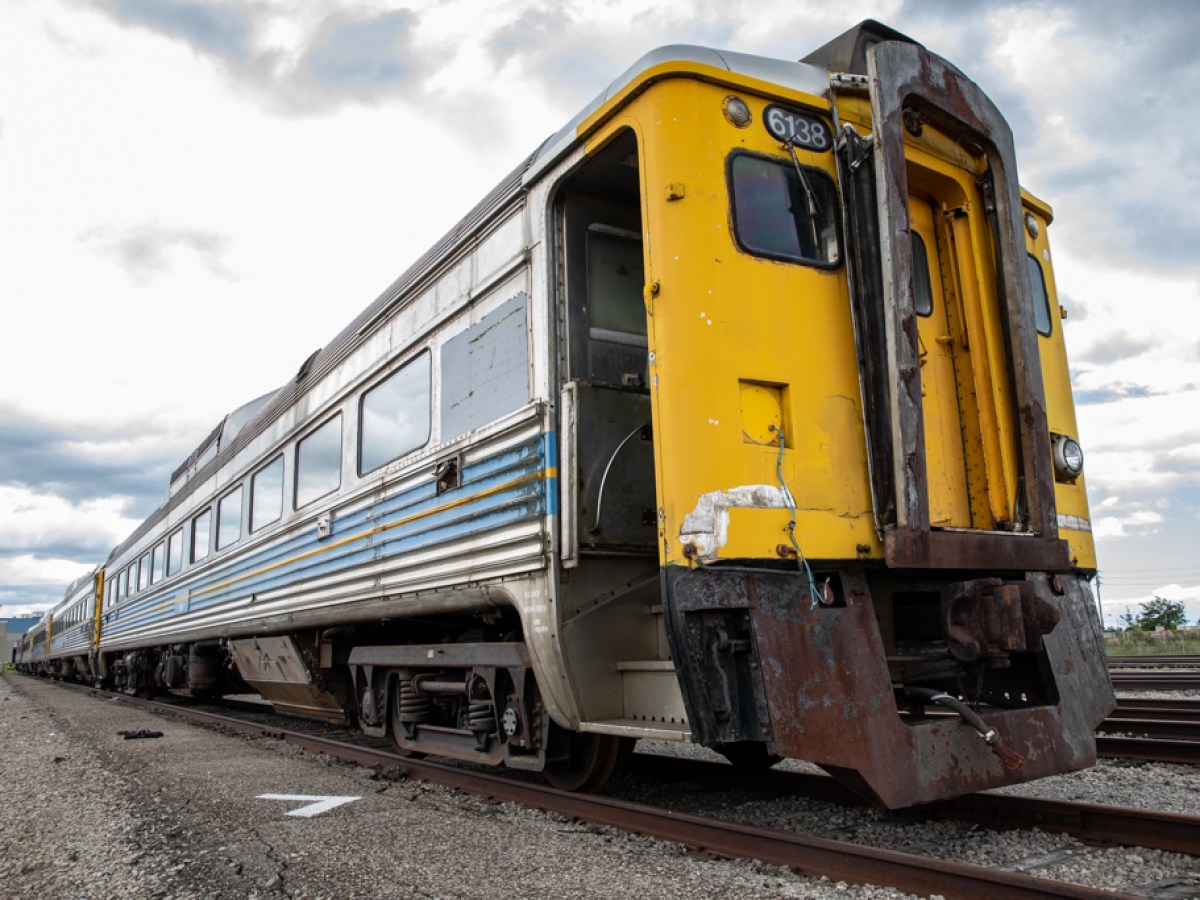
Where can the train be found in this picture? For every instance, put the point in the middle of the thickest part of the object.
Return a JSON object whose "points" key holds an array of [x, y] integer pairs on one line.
{"points": [[737, 414]]}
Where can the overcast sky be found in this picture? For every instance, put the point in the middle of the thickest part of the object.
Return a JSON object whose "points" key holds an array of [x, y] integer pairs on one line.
{"points": [[195, 195]]}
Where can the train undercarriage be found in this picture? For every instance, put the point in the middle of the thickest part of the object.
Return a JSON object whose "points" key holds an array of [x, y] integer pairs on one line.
{"points": [[907, 687], [468, 693]]}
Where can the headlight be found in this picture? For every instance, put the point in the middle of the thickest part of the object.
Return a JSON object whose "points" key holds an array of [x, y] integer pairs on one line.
{"points": [[1068, 457]]}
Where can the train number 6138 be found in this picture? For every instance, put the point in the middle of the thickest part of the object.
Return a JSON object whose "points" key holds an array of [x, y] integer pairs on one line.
{"points": [[796, 128]]}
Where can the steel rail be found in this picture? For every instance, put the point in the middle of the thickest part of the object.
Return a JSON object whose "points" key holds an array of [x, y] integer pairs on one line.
{"points": [[1175, 709], [1160, 681], [1153, 662], [1149, 749], [1177, 729]]}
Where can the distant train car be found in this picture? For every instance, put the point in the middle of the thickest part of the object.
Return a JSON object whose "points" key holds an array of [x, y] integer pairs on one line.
{"points": [[31, 652], [737, 414]]}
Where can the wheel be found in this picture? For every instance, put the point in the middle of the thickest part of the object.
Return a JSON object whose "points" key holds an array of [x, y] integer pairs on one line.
{"points": [[590, 761], [749, 755]]}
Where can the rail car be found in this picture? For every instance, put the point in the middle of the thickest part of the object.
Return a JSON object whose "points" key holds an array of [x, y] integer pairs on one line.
{"points": [[737, 414]]}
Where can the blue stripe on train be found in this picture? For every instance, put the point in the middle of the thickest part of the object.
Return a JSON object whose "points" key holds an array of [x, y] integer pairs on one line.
{"points": [[526, 501]]}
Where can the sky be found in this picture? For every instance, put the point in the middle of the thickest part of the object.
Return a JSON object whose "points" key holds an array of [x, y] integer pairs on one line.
{"points": [[195, 195]]}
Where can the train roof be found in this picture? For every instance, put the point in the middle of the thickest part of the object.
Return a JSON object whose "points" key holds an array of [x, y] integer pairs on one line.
{"points": [[225, 431], [669, 61]]}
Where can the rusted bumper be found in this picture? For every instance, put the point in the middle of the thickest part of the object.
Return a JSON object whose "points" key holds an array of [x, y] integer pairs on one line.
{"points": [[758, 662]]}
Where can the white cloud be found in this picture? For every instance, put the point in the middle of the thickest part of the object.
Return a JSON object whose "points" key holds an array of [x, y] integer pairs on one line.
{"points": [[28, 569], [31, 519]]}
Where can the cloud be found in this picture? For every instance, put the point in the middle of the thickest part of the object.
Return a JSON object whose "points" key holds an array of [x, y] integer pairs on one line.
{"points": [[149, 250], [44, 525], [1099, 141], [1110, 393], [220, 29], [302, 61], [362, 56], [30, 584], [80, 462], [1117, 347]]}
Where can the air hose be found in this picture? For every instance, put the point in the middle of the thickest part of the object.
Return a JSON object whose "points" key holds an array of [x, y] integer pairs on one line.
{"points": [[1008, 757]]}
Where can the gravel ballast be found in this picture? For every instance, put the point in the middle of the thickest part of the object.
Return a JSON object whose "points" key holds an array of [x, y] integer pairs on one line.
{"points": [[88, 814], [91, 814]]}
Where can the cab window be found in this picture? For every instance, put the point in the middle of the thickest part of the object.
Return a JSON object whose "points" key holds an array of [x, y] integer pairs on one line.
{"points": [[1041, 298], [784, 211]]}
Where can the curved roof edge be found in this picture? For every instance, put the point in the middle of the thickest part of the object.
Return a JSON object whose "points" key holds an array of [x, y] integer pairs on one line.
{"points": [[795, 75]]}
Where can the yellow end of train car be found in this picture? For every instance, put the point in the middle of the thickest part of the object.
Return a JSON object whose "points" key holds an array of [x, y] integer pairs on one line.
{"points": [[863, 439]]}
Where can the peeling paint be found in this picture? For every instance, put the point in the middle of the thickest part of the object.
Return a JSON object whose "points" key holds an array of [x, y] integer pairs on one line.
{"points": [[707, 526]]}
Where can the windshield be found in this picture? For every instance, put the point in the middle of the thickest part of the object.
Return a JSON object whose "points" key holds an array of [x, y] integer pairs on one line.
{"points": [[784, 211]]}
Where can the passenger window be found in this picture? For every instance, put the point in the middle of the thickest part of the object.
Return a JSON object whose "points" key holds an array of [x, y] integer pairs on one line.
{"points": [[144, 572], [201, 526], [395, 416], [922, 286], [175, 551], [616, 308], [782, 211], [158, 555], [1041, 298], [229, 518], [266, 494], [319, 462]]}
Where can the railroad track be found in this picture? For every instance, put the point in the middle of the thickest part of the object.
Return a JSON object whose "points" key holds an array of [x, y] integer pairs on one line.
{"points": [[813, 856], [1154, 662], [1153, 730], [1156, 681]]}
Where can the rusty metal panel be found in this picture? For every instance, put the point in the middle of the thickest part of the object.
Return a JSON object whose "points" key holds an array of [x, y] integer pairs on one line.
{"points": [[978, 550], [829, 697]]}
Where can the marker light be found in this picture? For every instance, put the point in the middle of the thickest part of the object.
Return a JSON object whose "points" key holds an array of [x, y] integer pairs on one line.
{"points": [[1068, 457], [736, 111], [1031, 225]]}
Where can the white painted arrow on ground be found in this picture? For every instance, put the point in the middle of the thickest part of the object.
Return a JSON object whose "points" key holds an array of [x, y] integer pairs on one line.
{"points": [[316, 805]]}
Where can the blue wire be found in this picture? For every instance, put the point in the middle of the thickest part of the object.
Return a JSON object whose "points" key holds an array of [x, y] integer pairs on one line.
{"points": [[791, 502]]}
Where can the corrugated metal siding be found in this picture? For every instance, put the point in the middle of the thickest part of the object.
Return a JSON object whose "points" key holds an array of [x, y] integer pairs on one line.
{"points": [[408, 540], [72, 640]]}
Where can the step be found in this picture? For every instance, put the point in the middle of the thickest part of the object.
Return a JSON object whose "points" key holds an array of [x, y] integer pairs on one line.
{"points": [[638, 728]]}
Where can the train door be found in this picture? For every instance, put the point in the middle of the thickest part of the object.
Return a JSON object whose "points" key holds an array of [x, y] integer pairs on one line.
{"points": [[966, 385], [945, 453], [609, 477], [607, 594]]}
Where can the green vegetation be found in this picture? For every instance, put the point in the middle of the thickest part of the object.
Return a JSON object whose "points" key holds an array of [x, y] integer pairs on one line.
{"points": [[1147, 643], [1153, 632]]}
